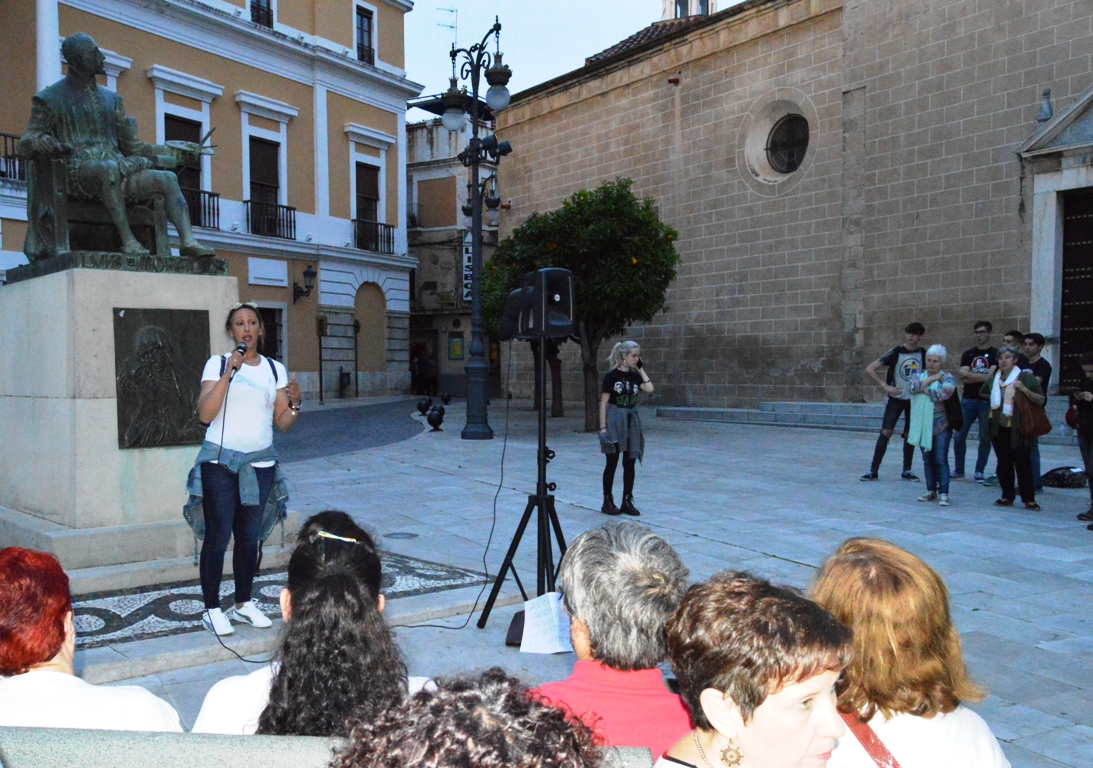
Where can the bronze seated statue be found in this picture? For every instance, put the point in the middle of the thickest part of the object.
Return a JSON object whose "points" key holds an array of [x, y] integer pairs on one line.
{"points": [[87, 169]]}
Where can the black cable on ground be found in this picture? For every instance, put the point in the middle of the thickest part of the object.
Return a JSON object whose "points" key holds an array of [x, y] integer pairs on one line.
{"points": [[493, 524]]}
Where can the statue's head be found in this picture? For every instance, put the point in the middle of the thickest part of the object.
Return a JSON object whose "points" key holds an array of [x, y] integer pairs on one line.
{"points": [[83, 55]]}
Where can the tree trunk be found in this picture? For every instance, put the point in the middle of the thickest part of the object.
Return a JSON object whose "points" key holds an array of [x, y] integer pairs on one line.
{"points": [[590, 346], [557, 408]]}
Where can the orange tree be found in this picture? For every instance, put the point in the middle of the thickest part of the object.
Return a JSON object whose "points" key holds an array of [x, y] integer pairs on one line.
{"points": [[622, 257]]}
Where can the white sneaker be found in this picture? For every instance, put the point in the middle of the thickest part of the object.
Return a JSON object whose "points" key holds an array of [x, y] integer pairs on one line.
{"points": [[249, 614], [943, 499], [928, 496], [216, 622]]}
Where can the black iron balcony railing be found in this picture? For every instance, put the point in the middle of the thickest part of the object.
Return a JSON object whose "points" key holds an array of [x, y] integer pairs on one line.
{"points": [[270, 219], [261, 13], [366, 53], [412, 219], [373, 236], [12, 167], [204, 207]]}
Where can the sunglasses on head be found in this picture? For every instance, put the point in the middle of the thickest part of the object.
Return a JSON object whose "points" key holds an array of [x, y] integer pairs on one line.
{"points": [[240, 305]]}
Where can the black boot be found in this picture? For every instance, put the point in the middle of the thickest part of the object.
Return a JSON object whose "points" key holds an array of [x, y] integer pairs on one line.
{"points": [[609, 507], [628, 507]]}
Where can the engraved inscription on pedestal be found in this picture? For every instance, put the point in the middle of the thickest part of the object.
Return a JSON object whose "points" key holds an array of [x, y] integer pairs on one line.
{"points": [[158, 358]]}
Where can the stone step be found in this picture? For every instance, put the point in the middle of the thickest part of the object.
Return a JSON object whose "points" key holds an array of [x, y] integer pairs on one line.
{"points": [[846, 417]]}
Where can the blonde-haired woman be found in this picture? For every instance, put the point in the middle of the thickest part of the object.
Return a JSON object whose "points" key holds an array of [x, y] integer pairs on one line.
{"points": [[620, 425], [906, 680]]}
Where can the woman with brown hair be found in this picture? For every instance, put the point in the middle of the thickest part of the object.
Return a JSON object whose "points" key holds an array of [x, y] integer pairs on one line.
{"points": [[757, 666], [906, 679]]}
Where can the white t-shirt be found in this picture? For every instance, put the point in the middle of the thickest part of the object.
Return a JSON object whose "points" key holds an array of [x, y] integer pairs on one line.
{"points": [[48, 699], [234, 705], [248, 426], [960, 739]]}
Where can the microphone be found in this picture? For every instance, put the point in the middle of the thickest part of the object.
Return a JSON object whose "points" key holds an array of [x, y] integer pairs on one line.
{"points": [[241, 348]]}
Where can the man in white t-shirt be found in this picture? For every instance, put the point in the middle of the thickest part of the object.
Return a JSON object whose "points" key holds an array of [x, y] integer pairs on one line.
{"points": [[38, 686]]}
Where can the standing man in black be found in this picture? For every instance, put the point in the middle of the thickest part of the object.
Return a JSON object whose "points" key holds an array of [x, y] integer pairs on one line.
{"points": [[976, 366], [1041, 369], [904, 363]]}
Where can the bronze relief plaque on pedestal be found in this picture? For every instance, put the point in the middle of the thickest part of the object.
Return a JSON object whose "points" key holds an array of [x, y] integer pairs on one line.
{"points": [[159, 355]]}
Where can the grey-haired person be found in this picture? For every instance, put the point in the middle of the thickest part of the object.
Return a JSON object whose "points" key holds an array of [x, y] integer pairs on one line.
{"points": [[620, 425], [619, 583]]}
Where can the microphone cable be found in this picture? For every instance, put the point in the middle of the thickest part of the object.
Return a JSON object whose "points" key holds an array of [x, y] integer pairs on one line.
{"points": [[493, 524], [223, 425]]}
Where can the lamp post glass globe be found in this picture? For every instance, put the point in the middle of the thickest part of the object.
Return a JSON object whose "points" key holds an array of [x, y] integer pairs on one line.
{"points": [[453, 119], [497, 97]]}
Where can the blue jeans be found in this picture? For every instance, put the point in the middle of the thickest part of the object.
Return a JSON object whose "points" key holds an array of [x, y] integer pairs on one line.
{"points": [[936, 463], [973, 410], [225, 516]]}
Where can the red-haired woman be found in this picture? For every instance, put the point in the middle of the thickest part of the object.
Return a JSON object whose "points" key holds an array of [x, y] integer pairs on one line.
{"points": [[906, 680], [38, 687]]}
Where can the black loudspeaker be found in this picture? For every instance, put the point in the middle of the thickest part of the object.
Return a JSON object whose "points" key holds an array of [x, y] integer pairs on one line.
{"points": [[542, 309]]}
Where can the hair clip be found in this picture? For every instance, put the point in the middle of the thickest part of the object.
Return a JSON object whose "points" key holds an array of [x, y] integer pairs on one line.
{"points": [[325, 535]]}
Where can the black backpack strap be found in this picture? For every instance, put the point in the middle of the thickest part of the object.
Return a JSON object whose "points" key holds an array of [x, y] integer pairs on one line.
{"points": [[273, 368], [223, 364]]}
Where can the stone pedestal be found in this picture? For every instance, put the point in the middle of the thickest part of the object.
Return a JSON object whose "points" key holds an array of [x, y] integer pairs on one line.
{"points": [[65, 485]]}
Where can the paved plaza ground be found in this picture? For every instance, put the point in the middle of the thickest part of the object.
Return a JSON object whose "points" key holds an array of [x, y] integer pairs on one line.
{"points": [[776, 501]]}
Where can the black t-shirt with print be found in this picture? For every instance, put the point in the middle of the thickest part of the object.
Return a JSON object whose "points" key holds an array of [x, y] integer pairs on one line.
{"points": [[1041, 369], [979, 361], [622, 388]]}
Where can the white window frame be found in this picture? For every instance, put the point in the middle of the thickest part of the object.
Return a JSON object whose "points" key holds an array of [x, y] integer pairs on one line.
{"points": [[369, 137], [375, 30], [270, 109], [168, 80]]}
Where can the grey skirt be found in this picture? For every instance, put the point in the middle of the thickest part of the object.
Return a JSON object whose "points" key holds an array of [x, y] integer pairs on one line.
{"points": [[624, 432]]}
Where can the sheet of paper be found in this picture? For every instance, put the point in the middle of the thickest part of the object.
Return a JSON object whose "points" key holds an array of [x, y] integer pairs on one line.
{"points": [[546, 625]]}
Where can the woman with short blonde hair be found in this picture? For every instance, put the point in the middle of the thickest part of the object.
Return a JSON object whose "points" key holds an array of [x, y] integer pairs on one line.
{"points": [[906, 679]]}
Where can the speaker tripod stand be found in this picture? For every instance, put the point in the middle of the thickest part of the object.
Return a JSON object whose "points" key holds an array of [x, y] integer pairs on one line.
{"points": [[542, 503]]}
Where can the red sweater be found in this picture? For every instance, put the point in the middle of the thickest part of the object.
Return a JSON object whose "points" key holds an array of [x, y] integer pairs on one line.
{"points": [[625, 709]]}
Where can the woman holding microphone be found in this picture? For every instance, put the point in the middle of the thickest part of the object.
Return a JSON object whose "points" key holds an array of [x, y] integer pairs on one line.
{"points": [[620, 425], [236, 476]]}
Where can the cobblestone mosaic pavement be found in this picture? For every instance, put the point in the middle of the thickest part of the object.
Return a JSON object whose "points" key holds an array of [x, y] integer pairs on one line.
{"points": [[146, 612]]}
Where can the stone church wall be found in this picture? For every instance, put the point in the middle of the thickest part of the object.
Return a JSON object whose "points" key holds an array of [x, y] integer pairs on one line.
{"points": [[909, 204]]}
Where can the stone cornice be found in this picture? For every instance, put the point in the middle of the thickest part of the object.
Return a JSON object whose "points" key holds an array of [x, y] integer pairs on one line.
{"points": [[263, 106], [193, 87], [256, 245], [371, 137], [210, 29]]}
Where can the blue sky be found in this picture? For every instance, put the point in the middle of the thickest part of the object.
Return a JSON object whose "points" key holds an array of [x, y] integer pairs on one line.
{"points": [[540, 39]]}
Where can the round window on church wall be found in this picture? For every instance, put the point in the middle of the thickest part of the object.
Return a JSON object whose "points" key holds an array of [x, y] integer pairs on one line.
{"points": [[787, 144]]}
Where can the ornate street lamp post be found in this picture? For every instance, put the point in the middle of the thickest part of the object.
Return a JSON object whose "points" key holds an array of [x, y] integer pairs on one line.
{"points": [[476, 61]]}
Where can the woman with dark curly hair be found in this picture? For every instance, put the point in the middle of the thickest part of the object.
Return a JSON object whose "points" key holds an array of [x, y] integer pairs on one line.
{"points": [[906, 681], [484, 721], [337, 658]]}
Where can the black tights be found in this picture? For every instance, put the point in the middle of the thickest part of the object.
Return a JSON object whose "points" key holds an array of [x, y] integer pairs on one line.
{"points": [[628, 462], [882, 447]]}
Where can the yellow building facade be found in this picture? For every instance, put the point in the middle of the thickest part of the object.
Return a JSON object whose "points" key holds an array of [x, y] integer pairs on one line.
{"points": [[308, 102]]}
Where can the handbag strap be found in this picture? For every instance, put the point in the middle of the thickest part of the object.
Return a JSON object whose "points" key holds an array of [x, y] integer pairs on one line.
{"points": [[869, 740]]}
